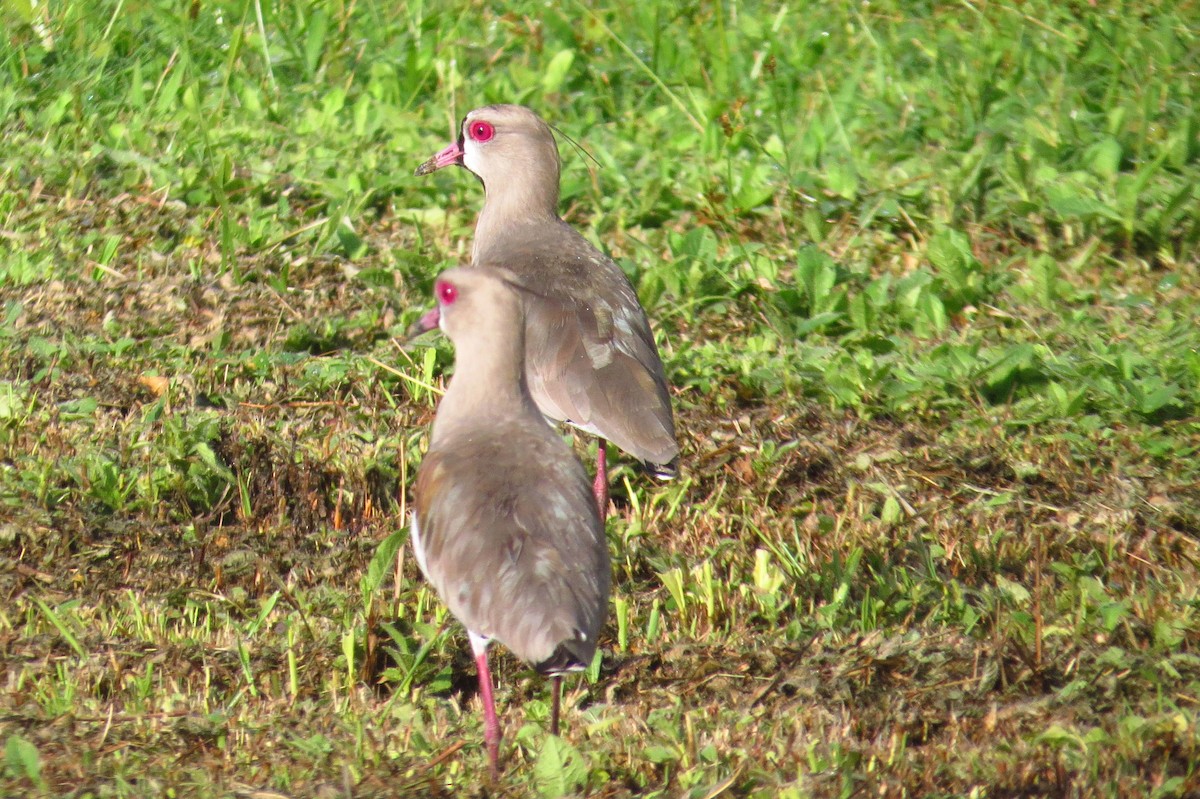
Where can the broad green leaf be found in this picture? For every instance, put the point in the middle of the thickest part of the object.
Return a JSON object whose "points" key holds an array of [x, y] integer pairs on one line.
{"points": [[314, 40], [21, 759], [560, 769], [1104, 157], [384, 560], [661, 754], [556, 71]]}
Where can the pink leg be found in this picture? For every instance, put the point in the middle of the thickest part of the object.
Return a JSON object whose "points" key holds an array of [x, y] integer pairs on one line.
{"points": [[600, 487], [491, 725], [555, 696]]}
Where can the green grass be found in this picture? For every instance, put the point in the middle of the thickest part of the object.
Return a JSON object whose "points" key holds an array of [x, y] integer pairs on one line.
{"points": [[925, 279]]}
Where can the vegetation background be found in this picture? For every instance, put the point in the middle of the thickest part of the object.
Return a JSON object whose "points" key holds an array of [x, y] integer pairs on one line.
{"points": [[925, 277]]}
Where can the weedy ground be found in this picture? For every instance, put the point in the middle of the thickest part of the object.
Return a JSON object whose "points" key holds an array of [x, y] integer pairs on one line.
{"points": [[926, 283]]}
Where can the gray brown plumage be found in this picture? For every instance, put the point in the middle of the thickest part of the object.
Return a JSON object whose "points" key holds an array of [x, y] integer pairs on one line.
{"points": [[505, 527], [591, 359]]}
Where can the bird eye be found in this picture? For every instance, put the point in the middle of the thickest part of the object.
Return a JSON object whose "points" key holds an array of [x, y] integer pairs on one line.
{"points": [[446, 292], [481, 131]]}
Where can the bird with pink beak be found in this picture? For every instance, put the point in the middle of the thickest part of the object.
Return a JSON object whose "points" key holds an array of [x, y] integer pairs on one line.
{"points": [[504, 524], [590, 356]]}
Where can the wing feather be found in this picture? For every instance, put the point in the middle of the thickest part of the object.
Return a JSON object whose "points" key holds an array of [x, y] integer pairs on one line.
{"points": [[528, 568], [591, 359]]}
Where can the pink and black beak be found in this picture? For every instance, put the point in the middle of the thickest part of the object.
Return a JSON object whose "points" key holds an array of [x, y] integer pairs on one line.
{"points": [[451, 155], [428, 321]]}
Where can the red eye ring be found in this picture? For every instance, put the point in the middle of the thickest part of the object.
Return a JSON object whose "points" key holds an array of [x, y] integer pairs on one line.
{"points": [[481, 131], [446, 292]]}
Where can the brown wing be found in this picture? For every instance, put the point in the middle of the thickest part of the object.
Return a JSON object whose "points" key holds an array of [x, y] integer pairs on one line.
{"points": [[591, 359], [596, 367], [513, 544]]}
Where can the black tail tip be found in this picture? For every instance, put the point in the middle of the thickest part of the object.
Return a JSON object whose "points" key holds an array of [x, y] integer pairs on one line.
{"points": [[663, 471], [562, 661]]}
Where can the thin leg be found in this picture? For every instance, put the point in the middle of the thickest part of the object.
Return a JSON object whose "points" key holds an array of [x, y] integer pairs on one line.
{"points": [[600, 487], [491, 725], [555, 696]]}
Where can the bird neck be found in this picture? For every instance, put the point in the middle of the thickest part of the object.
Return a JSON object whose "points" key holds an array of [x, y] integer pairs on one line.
{"points": [[510, 209], [488, 383]]}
